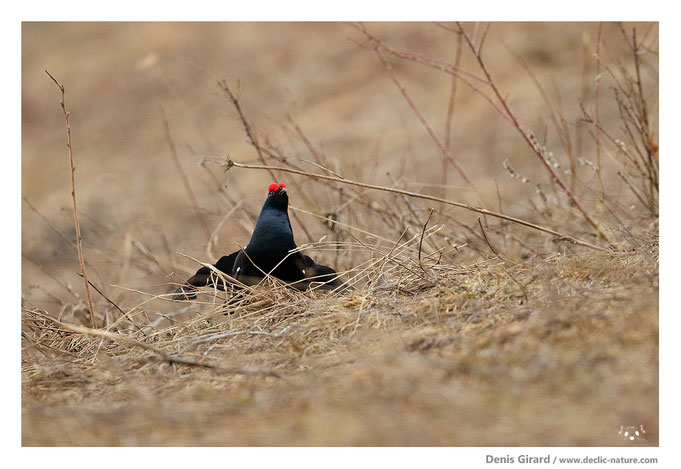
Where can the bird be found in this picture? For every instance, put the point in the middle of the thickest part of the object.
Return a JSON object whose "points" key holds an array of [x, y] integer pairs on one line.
{"points": [[271, 251]]}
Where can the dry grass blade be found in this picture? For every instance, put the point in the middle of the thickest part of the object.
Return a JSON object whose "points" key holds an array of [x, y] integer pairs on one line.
{"points": [[423, 232]]}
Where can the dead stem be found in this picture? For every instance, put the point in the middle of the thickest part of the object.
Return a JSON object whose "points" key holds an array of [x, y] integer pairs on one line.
{"points": [[450, 113], [127, 316], [527, 137], [230, 163], [423, 232], [443, 149], [504, 110], [254, 141], [79, 244], [165, 356], [597, 118]]}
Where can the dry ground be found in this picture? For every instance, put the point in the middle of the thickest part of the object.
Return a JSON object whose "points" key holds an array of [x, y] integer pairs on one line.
{"points": [[557, 352], [452, 336]]}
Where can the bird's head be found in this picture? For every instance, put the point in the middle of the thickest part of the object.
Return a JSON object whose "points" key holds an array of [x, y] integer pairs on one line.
{"points": [[277, 196]]}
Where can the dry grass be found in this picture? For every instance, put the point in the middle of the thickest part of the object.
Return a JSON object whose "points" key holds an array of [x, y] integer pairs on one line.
{"points": [[554, 352], [458, 330]]}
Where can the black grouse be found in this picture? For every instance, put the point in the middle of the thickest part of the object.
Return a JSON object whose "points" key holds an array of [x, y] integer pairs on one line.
{"points": [[268, 252]]}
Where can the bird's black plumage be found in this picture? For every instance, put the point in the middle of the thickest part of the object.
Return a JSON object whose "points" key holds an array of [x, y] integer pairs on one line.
{"points": [[269, 251]]}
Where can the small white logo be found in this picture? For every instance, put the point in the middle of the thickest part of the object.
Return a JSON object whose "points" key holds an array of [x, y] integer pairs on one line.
{"points": [[631, 433]]}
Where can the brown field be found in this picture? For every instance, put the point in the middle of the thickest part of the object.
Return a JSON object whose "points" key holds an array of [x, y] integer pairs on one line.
{"points": [[461, 329]]}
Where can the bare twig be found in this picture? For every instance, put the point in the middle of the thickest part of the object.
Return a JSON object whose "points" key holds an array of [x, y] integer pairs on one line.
{"points": [[462, 75], [494, 250], [443, 149], [165, 356], [254, 141], [450, 114], [556, 116], [503, 109], [79, 244], [527, 137], [633, 189], [487, 239], [597, 111], [114, 304], [229, 164], [644, 127], [228, 334]]}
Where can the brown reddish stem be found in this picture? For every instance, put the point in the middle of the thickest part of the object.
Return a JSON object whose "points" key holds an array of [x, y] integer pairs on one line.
{"points": [[443, 149], [79, 244], [530, 140]]}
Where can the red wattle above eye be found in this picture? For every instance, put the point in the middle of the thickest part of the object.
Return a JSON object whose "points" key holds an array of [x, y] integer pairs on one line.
{"points": [[281, 184], [273, 187]]}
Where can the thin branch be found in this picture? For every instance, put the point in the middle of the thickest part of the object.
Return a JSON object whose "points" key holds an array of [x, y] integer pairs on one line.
{"points": [[79, 244], [597, 119], [556, 117], [443, 149], [482, 39], [645, 129], [529, 138], [443, 67], [254, 141], [127, 316], [494, 250], [229, 164], [165, 356], [450, 114], [504, 110]]}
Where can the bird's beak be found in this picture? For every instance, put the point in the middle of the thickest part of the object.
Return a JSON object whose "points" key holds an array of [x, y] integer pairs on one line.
{"points": [[282, 190]]}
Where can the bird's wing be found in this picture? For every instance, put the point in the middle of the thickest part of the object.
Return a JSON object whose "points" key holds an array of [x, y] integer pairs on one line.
{"points": [[226, 263], [187, 291], [204, 277]]}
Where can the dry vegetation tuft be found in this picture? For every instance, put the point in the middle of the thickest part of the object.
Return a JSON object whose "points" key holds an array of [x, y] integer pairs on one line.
{"points": [[510, 300]]}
